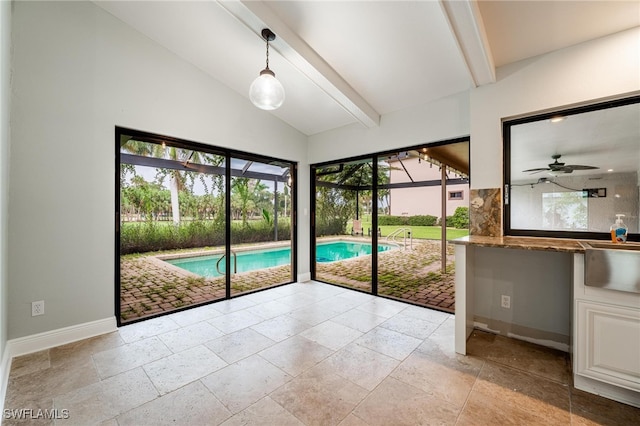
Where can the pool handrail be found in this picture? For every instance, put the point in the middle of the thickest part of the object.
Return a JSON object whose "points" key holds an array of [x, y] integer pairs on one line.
{"points": [[391, 238], [235, 263]]}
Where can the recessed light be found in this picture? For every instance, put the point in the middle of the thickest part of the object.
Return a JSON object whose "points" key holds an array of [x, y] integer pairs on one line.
{"points": [[557, 119], [610, 170]]}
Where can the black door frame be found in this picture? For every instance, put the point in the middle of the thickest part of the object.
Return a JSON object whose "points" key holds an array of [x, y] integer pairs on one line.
{"points": [[210, 149]]}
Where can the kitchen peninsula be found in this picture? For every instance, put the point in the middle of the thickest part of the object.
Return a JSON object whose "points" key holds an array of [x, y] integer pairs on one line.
{"points": [[534, 289]]}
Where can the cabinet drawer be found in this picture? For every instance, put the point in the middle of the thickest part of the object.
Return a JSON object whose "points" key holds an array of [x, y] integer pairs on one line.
{"points": [[608, 344]]}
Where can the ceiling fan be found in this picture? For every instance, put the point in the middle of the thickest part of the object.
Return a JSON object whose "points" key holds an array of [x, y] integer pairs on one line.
{"points": [[558, 167]]}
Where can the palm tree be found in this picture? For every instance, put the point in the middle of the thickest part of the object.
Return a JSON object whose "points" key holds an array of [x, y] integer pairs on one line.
{"points": [[178, 177]]}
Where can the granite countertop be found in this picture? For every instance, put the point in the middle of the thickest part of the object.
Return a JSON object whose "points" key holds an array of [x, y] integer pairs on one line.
{"points": [[524, 243]]}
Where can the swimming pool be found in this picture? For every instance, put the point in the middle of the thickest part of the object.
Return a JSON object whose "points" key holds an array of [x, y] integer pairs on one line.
{"points": [[341, 250], [252, 260]]}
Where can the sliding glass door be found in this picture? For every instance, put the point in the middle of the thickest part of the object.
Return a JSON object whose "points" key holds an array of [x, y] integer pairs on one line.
{"points": [[197, 224], [343, 228], [261, 224], [382, 222]]}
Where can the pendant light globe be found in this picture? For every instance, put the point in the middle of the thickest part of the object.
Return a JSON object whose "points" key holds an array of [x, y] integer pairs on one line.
{"points": [[266, 92]]}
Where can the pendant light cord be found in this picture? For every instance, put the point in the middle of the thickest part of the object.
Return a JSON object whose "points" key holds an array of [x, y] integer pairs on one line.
{"points": [[267, 53]]}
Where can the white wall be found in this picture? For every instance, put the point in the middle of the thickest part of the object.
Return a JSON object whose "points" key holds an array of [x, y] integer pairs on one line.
{"points": [[602, 68], [443, 119], [540, 301], [5, 96], [78, 72]]}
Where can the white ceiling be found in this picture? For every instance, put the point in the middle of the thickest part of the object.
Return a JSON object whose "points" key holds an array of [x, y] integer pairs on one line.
{"points": [[344, 62]]}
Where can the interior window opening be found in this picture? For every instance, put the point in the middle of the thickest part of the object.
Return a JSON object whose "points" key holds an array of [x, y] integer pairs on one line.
{"points": [[570, 173]]}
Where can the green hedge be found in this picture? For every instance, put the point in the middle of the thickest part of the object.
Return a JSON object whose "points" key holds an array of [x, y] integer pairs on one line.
{"points": [[425, 220], [330, 227], [141, 237], [460, 218]]}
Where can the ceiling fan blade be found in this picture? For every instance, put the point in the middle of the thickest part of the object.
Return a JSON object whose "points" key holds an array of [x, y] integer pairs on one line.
{"points": [[580, 167], [540, 169]]}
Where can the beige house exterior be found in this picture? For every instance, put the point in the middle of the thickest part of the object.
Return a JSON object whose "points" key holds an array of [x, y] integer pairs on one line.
{"points": [[424, 200]]}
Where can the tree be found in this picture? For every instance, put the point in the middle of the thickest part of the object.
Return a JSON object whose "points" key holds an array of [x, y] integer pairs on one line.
{"points": [[178, 179]]}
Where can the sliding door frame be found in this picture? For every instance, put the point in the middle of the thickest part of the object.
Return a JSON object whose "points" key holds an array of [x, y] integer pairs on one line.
{"points": [[375, 158], [208, 149]]}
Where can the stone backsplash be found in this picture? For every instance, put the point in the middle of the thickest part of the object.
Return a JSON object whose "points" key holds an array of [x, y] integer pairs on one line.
{"points": [[485, 212]]}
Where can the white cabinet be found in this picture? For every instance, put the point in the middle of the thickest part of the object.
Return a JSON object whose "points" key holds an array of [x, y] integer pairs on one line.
{"points": [[608, 344], [606, 340]]}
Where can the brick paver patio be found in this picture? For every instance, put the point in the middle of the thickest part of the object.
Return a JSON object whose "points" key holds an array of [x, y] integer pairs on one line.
{"points": [[150, 286]]}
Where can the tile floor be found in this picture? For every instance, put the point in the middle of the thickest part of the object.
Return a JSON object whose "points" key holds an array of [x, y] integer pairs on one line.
{"points": [[300, 354]]}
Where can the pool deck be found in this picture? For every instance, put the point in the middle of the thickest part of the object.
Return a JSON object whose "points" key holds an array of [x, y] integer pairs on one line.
{"points": [[150, 286]]}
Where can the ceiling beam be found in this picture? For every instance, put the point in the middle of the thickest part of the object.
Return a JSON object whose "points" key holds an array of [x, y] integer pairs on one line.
{"points": [[257, 15], [468, 28]]}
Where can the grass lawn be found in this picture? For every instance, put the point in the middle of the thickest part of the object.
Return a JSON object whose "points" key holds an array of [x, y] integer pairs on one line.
{"points": [[420, 232]]}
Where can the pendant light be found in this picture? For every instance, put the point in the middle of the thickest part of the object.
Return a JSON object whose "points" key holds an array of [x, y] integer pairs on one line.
{"points": [[266, 92]]}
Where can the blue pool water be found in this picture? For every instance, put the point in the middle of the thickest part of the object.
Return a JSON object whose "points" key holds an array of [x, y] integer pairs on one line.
{"points": [[247, 261], [259, 259], [341, 250]]}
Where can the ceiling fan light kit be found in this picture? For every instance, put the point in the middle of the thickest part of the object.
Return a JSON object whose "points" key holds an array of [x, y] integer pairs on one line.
{"points": [[266, 92]]}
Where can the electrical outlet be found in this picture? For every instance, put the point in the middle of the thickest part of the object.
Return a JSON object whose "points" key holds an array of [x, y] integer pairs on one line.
{"points": [[505, 302], [37, 308]]}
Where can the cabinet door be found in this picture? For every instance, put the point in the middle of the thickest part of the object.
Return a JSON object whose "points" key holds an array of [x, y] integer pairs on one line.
{"points": [[608, 344]]}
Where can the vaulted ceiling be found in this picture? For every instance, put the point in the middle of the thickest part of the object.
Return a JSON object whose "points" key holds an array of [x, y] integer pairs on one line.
{"points": [[352, 61]]}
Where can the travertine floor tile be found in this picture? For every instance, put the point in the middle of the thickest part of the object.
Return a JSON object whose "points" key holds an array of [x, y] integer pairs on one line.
{"points": [[264, 412], [362, 366], [449, 378], [30, 363], [281, 327], [360, 320], [123, 358], [411, 326], [383, 307], [106, 399], [331, 334], [313, 314], [241, 344], [430, 315], [535, 359], [235, 321], [389, 342], [77, 352], [47, 383], [190, 405], [189, 336], [199, 314], [270, 309], [311, 354], [503, 394], [319, 398], [177, 370], [145, 329], [298, 300], [589, 409], [411, 406], [295, 354], [243, 383]]}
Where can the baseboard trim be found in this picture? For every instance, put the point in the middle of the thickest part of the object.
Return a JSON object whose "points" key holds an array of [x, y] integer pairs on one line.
{"points": [[5, 367], [542, 338], [303, 278], [49, 339]]}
